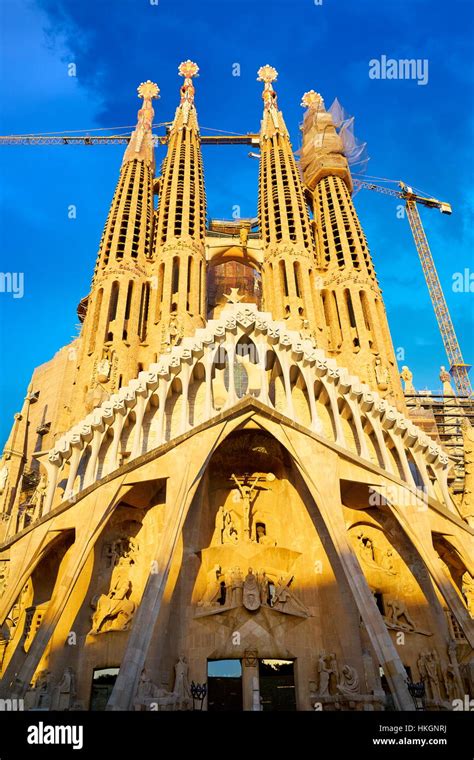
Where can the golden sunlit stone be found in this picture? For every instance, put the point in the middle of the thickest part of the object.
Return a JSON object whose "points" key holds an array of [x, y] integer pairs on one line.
{"points": [[219, 475]]}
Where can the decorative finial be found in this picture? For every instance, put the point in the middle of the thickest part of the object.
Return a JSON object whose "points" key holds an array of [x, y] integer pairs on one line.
{"points": [[312, 99], [188, 69], [267, 74], [148, 90]]}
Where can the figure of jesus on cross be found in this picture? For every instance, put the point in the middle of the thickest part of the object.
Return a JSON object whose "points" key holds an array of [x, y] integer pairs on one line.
{"points": [[246, 493]]}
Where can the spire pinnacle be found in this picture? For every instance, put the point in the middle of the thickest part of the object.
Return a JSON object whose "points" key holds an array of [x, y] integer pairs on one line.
{"points": [[148, 90], [141, 141], [312, 100], [188, 69], [268, 75]]}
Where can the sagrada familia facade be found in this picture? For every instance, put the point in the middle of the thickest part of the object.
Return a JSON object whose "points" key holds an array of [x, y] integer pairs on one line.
{"points": [[215, 495]]}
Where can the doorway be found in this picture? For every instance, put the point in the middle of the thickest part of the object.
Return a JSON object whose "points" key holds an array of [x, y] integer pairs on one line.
{"points": [[277, 685], [224, 684], [103, 681]]}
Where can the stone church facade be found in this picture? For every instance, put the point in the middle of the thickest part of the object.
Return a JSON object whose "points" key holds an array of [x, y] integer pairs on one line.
{"points": [[232, 494]]}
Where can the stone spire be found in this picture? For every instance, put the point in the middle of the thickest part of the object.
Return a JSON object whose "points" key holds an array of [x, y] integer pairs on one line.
{"points": [[116, 319], [355, 327], [180, 224], [141, 145], [127, 232], [289, 261]]}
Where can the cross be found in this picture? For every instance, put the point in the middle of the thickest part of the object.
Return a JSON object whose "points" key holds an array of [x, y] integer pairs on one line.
{"points": [[247, 495]]}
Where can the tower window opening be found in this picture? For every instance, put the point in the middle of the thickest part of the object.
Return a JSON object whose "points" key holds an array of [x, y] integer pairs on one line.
{"points": [[175, 276], [365, 310], [327, 315], [127, 309], [144, 305], [159, 292], [112, 313], [200, 287], [336, 308], [350, 308], [297, 279], [188, 288], [284, 278], [113, 301]]}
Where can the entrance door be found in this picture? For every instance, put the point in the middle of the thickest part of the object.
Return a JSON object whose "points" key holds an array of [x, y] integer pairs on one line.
{"points": [[103, 682], [277, 685], [224, 685]]}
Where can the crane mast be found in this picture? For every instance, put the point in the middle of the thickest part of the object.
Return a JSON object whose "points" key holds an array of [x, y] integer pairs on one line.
{"points": [[458, 368]]}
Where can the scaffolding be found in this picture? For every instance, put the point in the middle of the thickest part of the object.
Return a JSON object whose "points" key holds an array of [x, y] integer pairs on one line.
{"points": [[441, 417]]}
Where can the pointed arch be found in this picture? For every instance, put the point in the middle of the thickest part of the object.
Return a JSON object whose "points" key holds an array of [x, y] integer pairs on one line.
{"points": [[299, 395], [324, 410], [103, 459], [127, 436], [173, 407], [220, 378], [276, 386], [246, 368], [372, 442], [415, 471], [348, 426], [197, 395], [393, 455], [152, 435], [81, 470]]}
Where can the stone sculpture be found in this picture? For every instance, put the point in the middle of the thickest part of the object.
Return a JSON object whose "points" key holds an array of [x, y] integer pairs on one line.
{"points": [[66, 690], [428, 666], [251, 595], [349, 681], [181, 689], [407, 376], [446, 378], [114, 610], [398, 611], [327, 674]]}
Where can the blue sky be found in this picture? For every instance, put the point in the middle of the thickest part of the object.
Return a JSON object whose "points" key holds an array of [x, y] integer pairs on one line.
{"points": [[422, 134]]}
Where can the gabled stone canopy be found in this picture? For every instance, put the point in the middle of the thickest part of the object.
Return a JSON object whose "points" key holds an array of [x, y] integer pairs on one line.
{"points": [[197, 379]]}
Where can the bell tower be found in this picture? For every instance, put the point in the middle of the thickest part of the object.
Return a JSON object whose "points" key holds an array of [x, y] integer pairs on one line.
{"points": [[355, 322], [289, 262], [180, 225], [115, 322]]}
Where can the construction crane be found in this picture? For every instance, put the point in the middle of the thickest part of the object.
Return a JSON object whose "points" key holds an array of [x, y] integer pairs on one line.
{"points": [[63, 139], [458, 368]]}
